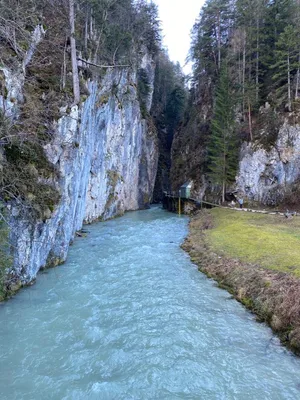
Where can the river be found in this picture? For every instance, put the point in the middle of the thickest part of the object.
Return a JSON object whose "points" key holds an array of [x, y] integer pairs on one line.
{"points": [[128, 316]]}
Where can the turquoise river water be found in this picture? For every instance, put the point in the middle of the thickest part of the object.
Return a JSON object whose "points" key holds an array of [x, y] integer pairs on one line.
{"points": [[128, 316]]}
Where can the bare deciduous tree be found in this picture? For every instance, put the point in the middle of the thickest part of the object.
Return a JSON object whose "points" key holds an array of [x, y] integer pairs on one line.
{"points": [[76, 88]]}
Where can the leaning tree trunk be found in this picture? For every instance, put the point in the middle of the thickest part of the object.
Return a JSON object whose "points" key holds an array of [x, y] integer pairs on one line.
{"points": [[76, 89]]}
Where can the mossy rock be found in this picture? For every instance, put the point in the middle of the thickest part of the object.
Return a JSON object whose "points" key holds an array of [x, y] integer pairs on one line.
{"points": [[104, 99], [26, 170], [113, 177]]}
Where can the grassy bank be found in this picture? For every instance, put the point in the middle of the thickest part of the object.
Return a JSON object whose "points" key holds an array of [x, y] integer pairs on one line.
{"points": [[257, 258], [269, 240]]}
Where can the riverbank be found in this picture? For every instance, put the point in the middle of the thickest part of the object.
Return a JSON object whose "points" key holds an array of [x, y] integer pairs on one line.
{"points": [[256, 258]]}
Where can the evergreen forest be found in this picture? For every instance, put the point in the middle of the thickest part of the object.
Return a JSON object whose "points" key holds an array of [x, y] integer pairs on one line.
{"points": [[245, 81]]}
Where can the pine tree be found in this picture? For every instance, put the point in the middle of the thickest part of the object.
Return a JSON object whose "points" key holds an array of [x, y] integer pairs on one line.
{"points": [[248, 36], [209, 36], [278, 14], [222, 148], [287, 52]]}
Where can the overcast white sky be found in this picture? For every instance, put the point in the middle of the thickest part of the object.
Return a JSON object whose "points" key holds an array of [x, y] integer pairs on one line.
{"points": [[178, 17]]}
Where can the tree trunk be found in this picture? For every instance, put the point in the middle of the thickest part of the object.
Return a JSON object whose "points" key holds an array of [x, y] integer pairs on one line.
{"points": [[289, 85], [257, 62], [91, 25], [250, 120], [219, 40], [64, 68], [76, 89], [86, 27], [298, 78], [224, 168], [105, 16], [244, 74], [240, 68], [223, 192], [298, 69]]}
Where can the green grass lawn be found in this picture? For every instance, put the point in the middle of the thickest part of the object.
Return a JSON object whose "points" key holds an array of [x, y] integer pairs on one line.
{"points": [[271, 241]]}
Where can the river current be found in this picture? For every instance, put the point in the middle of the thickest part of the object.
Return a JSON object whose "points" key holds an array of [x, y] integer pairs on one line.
{"points": [[128, 316]]}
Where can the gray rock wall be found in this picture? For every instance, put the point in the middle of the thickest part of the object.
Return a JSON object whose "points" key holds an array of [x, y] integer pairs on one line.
{"points": [[265, 176], [106, 156]]}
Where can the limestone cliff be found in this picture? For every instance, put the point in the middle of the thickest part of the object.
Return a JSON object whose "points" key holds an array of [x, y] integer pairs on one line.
{"points": [[269, 175], [105, 155]]}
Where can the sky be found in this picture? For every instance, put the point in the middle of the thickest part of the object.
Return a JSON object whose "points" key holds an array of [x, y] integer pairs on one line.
{"points": [[177, 18]]}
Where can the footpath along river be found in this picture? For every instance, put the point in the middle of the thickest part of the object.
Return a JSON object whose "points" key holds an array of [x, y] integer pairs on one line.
{"points": [[128, 316]]}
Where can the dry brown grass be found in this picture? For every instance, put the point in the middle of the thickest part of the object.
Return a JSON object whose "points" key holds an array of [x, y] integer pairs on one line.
{"points": [[273, 296]]}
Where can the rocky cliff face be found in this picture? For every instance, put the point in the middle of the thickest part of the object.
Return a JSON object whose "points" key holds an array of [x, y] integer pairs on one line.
{"points": [[267, 175], [106, 157]]}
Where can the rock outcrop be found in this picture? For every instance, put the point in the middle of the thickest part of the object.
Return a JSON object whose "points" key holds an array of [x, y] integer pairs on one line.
{"points": [[266, 175], [106, 157], [268, 172]]}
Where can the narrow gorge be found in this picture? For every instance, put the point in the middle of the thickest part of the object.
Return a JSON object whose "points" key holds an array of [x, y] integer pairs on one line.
{"points": [[64, 164], [100, 129]]}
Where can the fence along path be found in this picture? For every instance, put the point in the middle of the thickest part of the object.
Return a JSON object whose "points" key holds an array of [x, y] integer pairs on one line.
{"points": [[287, 214]]}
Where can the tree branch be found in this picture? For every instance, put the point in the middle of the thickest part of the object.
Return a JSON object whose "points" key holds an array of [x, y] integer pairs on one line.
{"points": [[103, 66]]}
